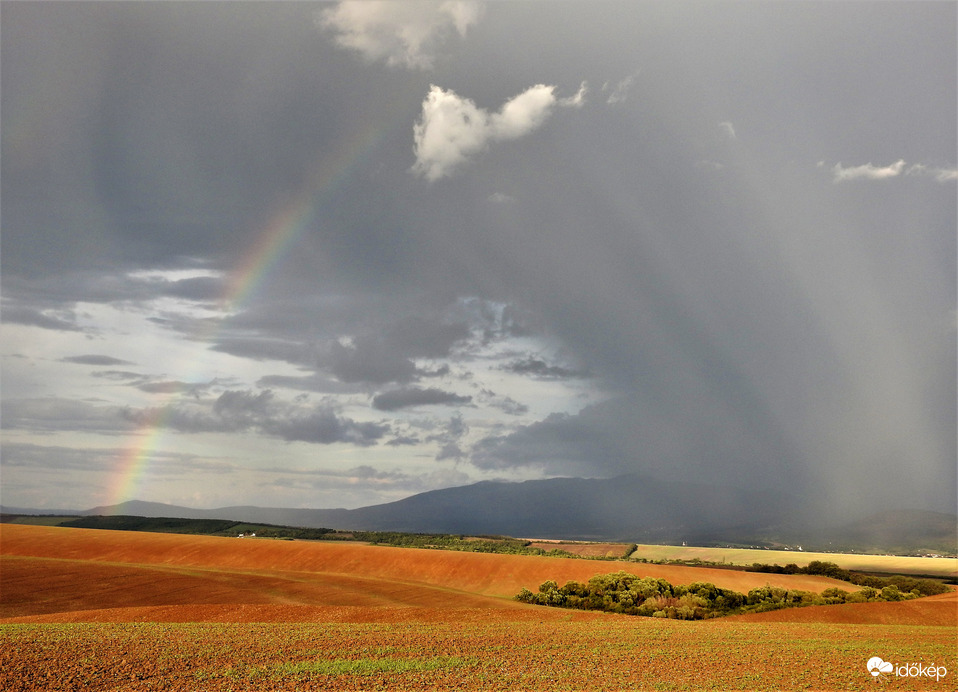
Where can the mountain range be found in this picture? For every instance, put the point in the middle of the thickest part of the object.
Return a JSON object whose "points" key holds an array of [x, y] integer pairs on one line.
{"points": [[630, 508]]}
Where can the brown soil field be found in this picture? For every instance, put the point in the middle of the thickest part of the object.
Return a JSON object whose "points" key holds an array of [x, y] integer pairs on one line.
{"points": [[337, 565], [602, 653], [107, 610]]}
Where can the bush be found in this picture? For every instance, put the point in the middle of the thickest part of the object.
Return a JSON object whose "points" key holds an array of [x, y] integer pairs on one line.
{"points": [[621, 592]]}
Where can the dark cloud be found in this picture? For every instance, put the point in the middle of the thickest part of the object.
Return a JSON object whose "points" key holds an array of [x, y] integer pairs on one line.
{"points": [[368, 359], [265, 348], [238, 403], [536, 367], [388, 355], [450, 450], [39, 318], [308, 383], [94, 359], [450, 439], [441, 371], [243, 411], [559, 444], [403, 440], [418, 337], [415, 396], [325, 427], [506, 404], [118, 375], [623, 434]]}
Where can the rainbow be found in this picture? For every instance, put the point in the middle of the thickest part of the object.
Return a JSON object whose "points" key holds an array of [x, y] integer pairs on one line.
{"points": [[271, 246]]}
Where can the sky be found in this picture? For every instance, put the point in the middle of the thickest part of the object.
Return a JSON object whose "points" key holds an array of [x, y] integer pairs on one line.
{"points": [[336, 254]]}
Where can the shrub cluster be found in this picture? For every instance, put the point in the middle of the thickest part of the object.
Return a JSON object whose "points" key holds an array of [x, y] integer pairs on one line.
{"points": [[621, 592]]}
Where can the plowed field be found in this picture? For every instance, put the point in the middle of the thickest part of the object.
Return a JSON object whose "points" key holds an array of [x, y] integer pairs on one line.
{"points": [[102, 610]]}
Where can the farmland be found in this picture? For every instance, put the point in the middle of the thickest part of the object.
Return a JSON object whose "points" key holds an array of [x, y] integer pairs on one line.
{"points": [[96, 610], [896, 564]]}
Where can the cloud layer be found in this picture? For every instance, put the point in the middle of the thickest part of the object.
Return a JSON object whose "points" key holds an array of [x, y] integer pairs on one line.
{"points": [[649, 276]]}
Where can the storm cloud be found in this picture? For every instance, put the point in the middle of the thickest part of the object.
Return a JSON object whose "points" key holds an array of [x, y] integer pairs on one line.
{"points": [[709, 241]]}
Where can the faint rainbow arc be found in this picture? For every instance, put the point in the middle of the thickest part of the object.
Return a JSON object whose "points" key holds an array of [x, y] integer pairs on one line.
{"points": [[272, 244]]}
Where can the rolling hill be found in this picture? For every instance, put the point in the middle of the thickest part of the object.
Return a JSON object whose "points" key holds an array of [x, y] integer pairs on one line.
{"points": [[630, 508]]}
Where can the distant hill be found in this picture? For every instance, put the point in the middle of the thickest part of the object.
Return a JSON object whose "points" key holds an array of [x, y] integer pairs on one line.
{"points": [[630, 508]]}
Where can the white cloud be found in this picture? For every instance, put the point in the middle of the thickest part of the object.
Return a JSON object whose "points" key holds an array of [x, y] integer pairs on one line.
{"points": [[403, 34], [522, 114], [871, 172], [578, 100], [942, 175], [620, 91], [728, 130], [453, 129], [867, 171]]}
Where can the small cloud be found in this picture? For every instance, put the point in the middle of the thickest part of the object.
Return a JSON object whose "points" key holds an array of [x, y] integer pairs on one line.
{"points": [[403, 440], [728, 130], [506, 404], [501, 198], [871, 172], [452, 129], [867, 172], [403, 34], [941, 175], [578, 100], [118, 375], [450, 450], [415, 396], [619, 92], [535, 367]]}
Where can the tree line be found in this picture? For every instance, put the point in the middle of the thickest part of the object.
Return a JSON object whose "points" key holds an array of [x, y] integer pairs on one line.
{"points": [[622, 592], [924, 587]]}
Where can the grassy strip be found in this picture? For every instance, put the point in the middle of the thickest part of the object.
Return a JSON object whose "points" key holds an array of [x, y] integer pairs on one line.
{"points": [[335, 666]]}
